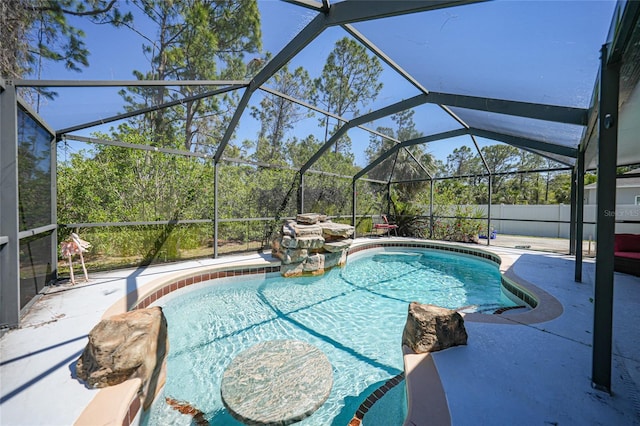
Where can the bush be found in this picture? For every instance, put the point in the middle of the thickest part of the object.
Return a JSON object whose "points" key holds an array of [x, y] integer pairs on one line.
{"points": [[410, 221], [463, 227]]}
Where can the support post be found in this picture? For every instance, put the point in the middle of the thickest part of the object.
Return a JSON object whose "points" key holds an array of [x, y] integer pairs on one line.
{"points": [[605, 223], [353, 206], [301, 194], [54, 210], [431, 211], [579, 215], [486, 166], [388, 198], [489, 210], [9, 219], [572, 215], [215, 209]]}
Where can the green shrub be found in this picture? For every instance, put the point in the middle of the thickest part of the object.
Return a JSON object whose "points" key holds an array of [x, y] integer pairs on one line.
{"points": [[463, 227]]}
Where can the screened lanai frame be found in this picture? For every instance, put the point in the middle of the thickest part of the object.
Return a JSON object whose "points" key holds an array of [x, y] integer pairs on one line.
{"points": [[599, 123]]}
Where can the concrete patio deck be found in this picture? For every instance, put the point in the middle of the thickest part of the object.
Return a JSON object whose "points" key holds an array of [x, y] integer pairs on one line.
{"points": [[507, 374]]}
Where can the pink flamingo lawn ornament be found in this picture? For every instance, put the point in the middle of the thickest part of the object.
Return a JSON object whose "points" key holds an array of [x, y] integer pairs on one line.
{"points": [[73, 247]]}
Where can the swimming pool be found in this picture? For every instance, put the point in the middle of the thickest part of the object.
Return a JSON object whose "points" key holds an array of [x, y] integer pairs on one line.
{"points": [[355, 315]]}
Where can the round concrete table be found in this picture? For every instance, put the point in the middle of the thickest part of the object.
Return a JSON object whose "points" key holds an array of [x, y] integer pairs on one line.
{"points": [[278, 382]]}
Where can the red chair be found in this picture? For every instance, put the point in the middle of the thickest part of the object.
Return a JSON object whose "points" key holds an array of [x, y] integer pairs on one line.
{"points": [[384, 225]]}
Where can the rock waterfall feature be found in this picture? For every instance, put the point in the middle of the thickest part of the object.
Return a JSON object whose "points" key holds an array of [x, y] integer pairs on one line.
{"points": [[311, 245]]}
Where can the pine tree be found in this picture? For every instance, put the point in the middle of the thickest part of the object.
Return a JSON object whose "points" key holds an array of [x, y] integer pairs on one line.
{"points": [[349, 81]]}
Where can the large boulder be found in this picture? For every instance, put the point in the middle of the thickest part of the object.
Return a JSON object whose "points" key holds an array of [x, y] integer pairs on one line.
{"points": [[130, 345], [431, 328]]}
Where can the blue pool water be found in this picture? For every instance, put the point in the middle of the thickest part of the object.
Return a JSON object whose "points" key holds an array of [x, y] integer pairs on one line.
{"points": [[355, 315]]}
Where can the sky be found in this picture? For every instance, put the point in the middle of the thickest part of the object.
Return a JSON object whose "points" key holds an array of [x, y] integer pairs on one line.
{"points": [[534, 51]]}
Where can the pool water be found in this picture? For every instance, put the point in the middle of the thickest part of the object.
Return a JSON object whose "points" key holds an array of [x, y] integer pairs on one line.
{"points": [[355, 315]]}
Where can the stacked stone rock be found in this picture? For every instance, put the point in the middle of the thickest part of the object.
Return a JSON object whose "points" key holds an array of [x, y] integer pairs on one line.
{"points": [[311, 245]]}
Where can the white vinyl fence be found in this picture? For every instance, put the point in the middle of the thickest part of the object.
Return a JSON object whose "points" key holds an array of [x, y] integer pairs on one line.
{"points": [[552, 220]]}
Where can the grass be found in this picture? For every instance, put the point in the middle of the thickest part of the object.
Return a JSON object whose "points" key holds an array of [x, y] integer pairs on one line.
{"points": [[99, 262]]}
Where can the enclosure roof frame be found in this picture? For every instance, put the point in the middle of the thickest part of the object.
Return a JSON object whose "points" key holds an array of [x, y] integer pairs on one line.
{"points": [[344, 14]]}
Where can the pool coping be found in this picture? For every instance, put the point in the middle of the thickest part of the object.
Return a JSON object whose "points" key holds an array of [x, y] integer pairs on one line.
{"points": [[120, 404]]}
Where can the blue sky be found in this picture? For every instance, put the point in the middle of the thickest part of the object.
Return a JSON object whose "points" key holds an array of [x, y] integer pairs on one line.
{"points": [[537, 51]]}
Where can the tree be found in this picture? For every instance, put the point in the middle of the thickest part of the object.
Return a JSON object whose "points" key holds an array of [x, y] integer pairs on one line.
{"points": [[529, 184], [114, 184], [278, 115], [410, 162], [463, 161], [35, 31], [349, 81], [406, 164], [328, 194], [378, 145], [500, 158], [194, 40], [560, 185]]}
